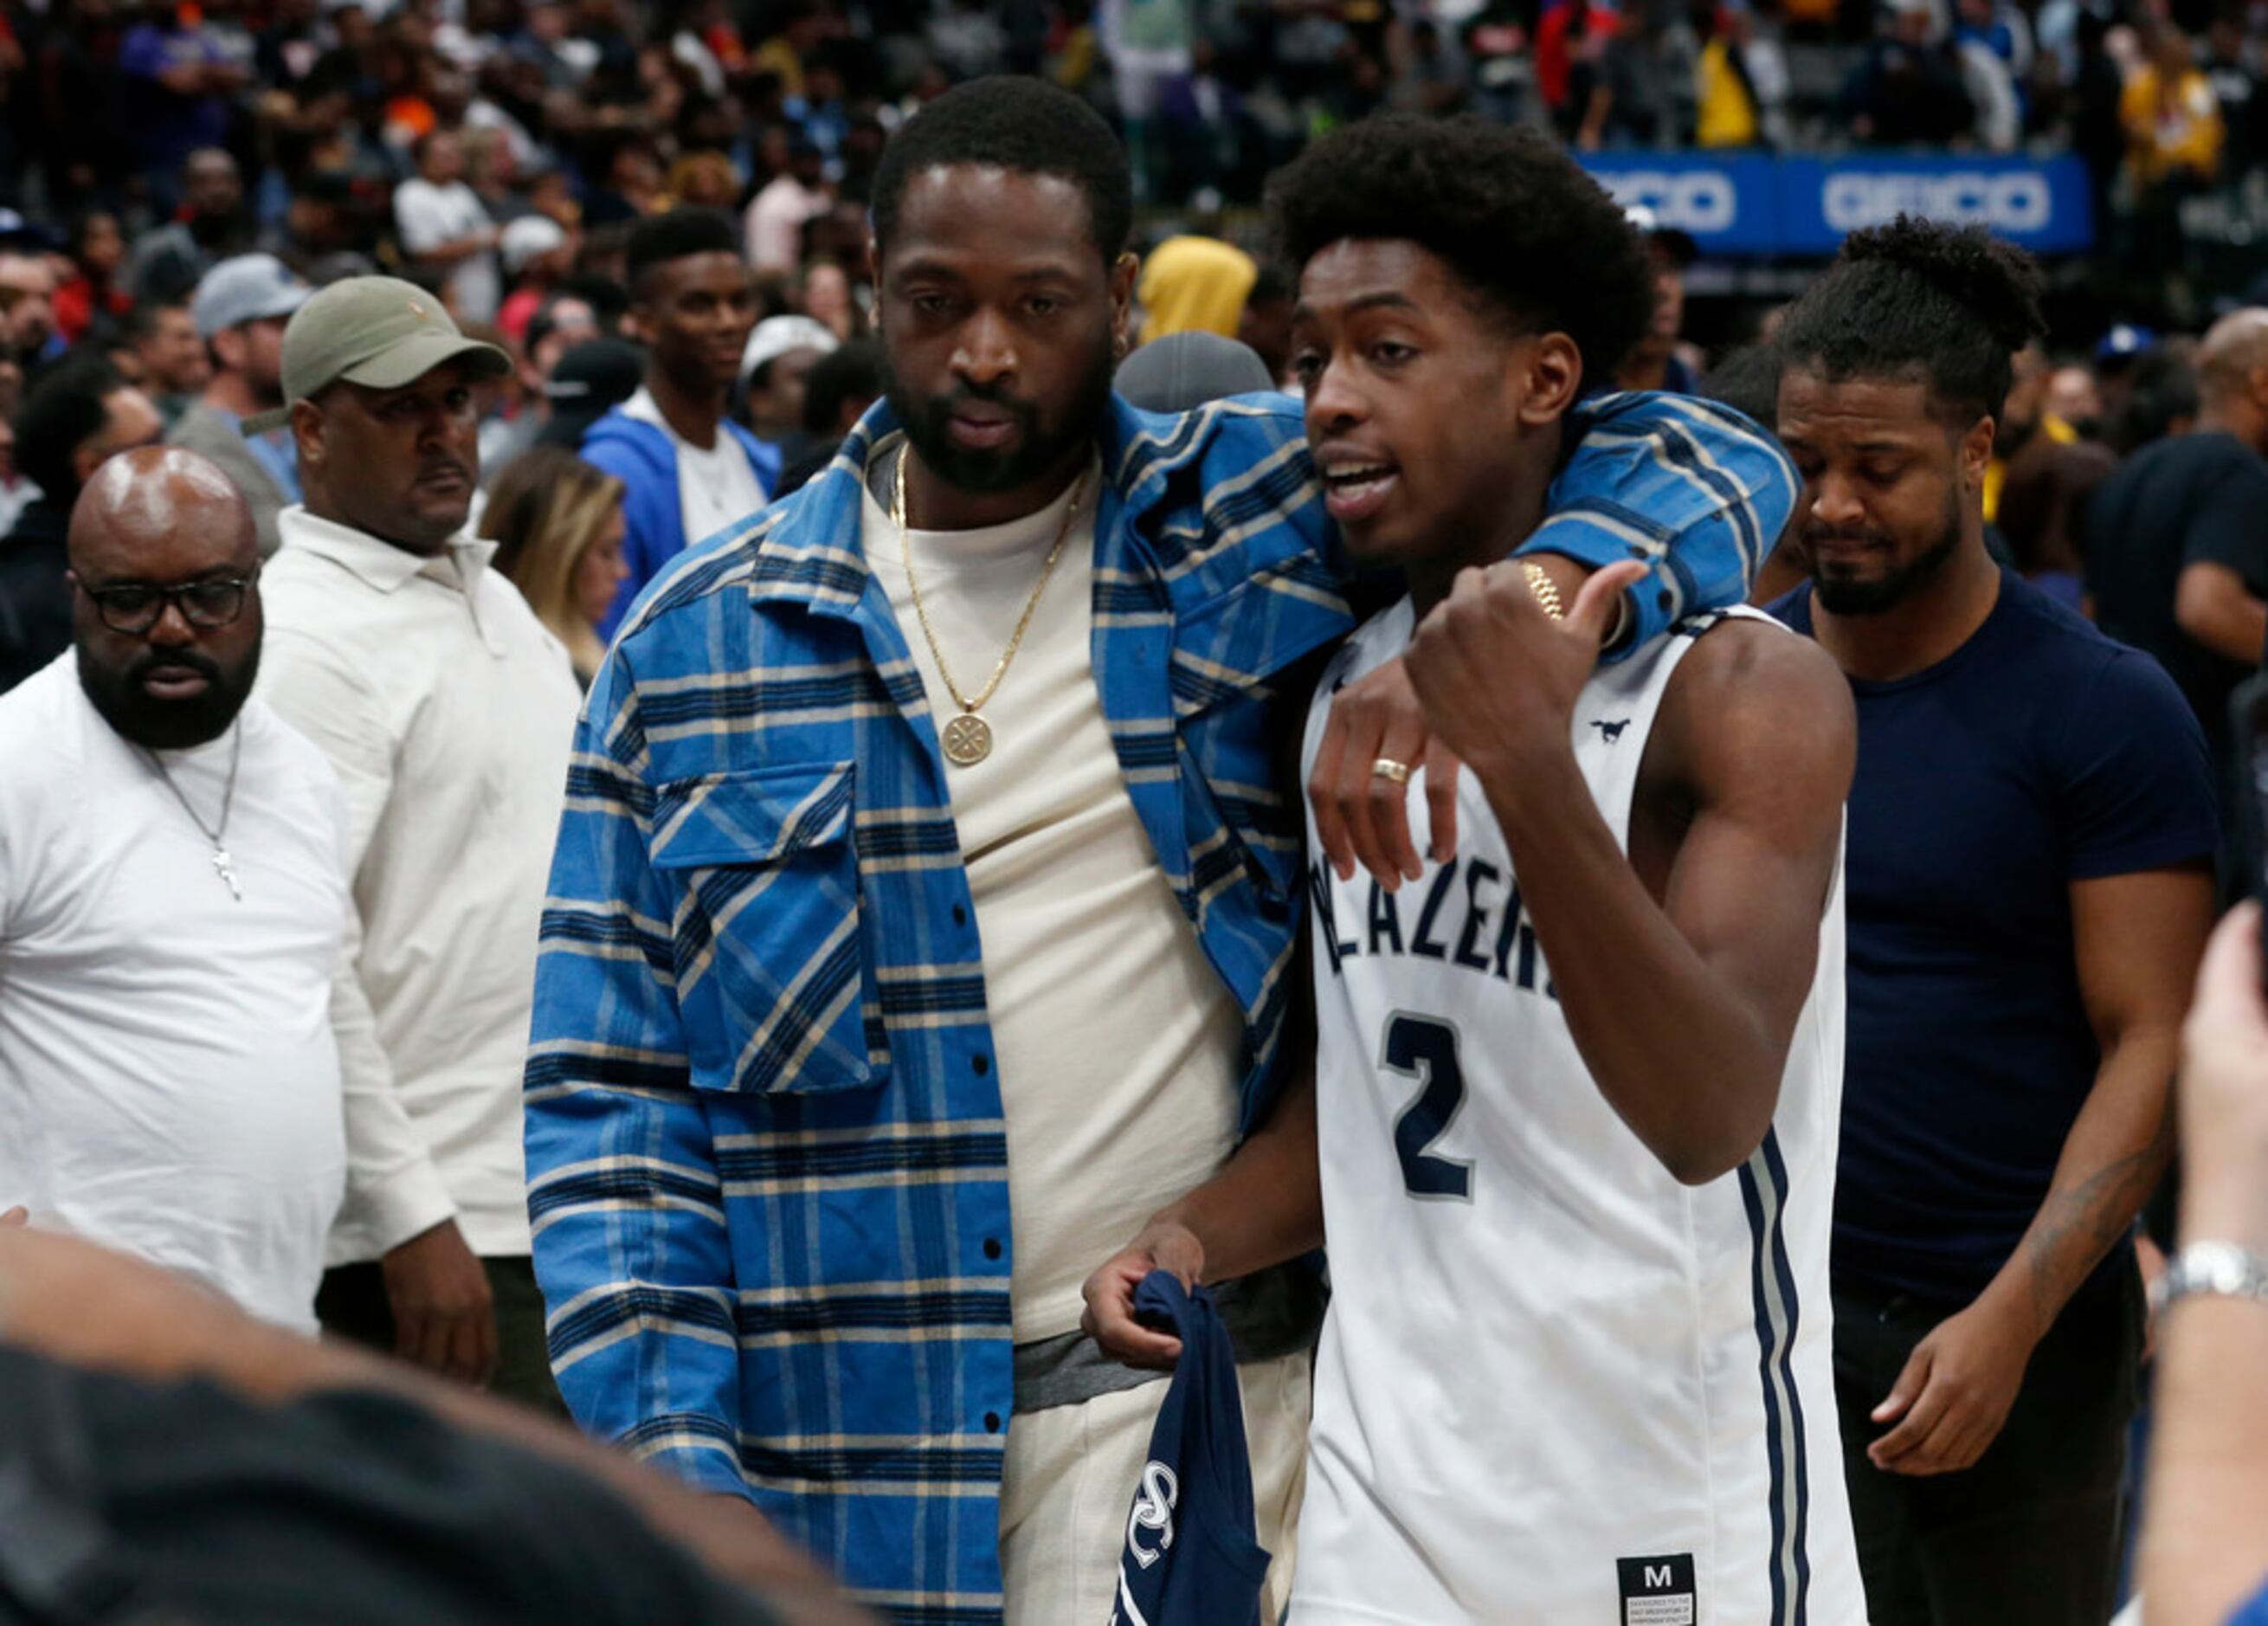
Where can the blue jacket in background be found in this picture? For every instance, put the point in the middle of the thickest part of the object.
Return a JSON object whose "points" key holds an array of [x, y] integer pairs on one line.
{"points": [[1193, 1556], [644, 460]]}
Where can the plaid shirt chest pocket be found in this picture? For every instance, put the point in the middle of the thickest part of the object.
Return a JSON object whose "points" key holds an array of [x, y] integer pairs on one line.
{"points": [[763, 880]]}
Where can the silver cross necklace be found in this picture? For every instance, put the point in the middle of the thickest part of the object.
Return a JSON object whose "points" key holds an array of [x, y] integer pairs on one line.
{"points": [[224, 866]]}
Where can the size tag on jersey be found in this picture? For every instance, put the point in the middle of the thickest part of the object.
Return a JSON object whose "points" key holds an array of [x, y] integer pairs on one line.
{"points": [[1658, 1591]]}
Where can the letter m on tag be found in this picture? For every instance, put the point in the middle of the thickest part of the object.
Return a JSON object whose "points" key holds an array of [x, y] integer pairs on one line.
{"points": [[1658, 1591]]}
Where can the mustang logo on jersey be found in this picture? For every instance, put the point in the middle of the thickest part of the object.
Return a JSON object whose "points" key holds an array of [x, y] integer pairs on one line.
{"points": [[1471, 915]]}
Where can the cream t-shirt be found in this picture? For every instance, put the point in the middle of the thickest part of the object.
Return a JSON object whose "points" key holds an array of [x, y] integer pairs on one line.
{"points": [[1117, 1042]]}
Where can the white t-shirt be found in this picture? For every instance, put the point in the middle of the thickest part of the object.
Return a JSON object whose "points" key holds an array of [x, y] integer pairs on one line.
{"points": [[169, 1084], [1117, 1041], [715, 488], [428, 216]]}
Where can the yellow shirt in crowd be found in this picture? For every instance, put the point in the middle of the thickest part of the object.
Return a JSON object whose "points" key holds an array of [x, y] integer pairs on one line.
{"points": [[2170, 127], [1995, 472], [1194, 285], [1726, 114]]}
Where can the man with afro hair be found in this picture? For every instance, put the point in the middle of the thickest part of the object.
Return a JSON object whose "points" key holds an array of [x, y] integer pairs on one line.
{"points": [[1576, 1083], [2031, 839]]}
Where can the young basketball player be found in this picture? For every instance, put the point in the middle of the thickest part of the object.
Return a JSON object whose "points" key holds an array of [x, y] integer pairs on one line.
{"points": [[1577, 1086]]}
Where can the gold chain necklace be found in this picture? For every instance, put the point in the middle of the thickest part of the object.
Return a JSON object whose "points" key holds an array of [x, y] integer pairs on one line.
{"points": [[967, 738]]}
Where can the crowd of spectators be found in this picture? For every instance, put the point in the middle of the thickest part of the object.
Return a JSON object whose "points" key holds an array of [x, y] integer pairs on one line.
{"points": [[626, 247], [153, 138], [174, 181], [497, 151]]}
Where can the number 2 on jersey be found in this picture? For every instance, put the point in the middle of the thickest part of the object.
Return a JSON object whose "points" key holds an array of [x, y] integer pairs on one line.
{"points": [[1425, 1048]]}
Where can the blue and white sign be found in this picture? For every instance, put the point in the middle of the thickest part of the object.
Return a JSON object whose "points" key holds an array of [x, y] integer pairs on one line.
{"points": [[1726, 202], [2044, 205], [1750, 203]]}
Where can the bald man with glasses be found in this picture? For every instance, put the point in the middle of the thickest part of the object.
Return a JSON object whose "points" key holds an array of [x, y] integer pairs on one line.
{"points": [[174, 898]]}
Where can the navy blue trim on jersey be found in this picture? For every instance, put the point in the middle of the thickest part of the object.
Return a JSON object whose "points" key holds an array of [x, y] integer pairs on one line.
{"points": [[1786, 1271], [1763, 1194]]}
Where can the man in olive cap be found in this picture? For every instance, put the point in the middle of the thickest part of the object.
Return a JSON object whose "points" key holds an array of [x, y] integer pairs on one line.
{"points": [[447, 711]]}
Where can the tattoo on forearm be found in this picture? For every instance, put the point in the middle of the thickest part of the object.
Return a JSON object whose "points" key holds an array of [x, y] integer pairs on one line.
{"points": [[2094, 1214]]}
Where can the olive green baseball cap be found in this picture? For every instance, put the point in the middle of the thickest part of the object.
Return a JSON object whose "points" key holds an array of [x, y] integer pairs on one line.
{"points": [[377, 331]]}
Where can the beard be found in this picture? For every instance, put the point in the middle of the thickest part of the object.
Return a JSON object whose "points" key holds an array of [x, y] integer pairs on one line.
{"points": [[1039, 446], [1854, 595], [141, 718]]}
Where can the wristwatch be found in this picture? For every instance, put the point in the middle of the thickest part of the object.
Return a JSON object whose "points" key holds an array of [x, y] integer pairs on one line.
{"points": [[2218, 1269]]}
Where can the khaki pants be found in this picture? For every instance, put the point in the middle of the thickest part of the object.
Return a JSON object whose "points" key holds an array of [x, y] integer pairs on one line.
{"points": [[1068, 1482]]}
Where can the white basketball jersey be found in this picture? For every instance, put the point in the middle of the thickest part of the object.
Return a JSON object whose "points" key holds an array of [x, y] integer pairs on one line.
{"points": [[1555, 1386]]}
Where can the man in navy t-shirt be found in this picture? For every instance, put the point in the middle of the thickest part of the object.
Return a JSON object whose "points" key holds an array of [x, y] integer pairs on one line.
{"points": [[2030, 837]]}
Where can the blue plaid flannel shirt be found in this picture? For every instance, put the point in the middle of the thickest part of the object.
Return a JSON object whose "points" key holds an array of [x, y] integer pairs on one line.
{"points": [[767, 1173]]}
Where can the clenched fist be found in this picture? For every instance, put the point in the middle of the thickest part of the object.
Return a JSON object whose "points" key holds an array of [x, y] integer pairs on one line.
{"points": [[1497, 675]]}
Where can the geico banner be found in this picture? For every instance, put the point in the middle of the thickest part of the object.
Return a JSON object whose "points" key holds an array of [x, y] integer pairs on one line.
{"points": [[1755, 203], [1728, 204], [2044, 205]]}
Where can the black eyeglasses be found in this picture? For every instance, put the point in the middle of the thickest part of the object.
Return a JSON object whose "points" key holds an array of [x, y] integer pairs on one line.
{"points": [[134, 606]]}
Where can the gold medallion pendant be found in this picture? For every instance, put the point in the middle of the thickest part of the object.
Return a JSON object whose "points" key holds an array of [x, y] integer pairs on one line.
{"points": [[967, 739]]}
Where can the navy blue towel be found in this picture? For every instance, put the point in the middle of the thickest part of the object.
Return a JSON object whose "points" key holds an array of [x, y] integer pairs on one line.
{"points": [[1192, 1558]]}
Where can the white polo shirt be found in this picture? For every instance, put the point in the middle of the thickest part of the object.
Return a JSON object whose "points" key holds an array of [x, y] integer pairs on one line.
{"points": [[169, 1085], [448, 712]]}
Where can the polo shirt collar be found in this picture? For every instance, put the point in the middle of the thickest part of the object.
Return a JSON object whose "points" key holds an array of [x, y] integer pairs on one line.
{"points": [[379, 563]]}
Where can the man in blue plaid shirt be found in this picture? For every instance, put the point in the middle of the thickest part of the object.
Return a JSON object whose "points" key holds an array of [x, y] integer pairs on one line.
{"points": [[924, 908]]}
